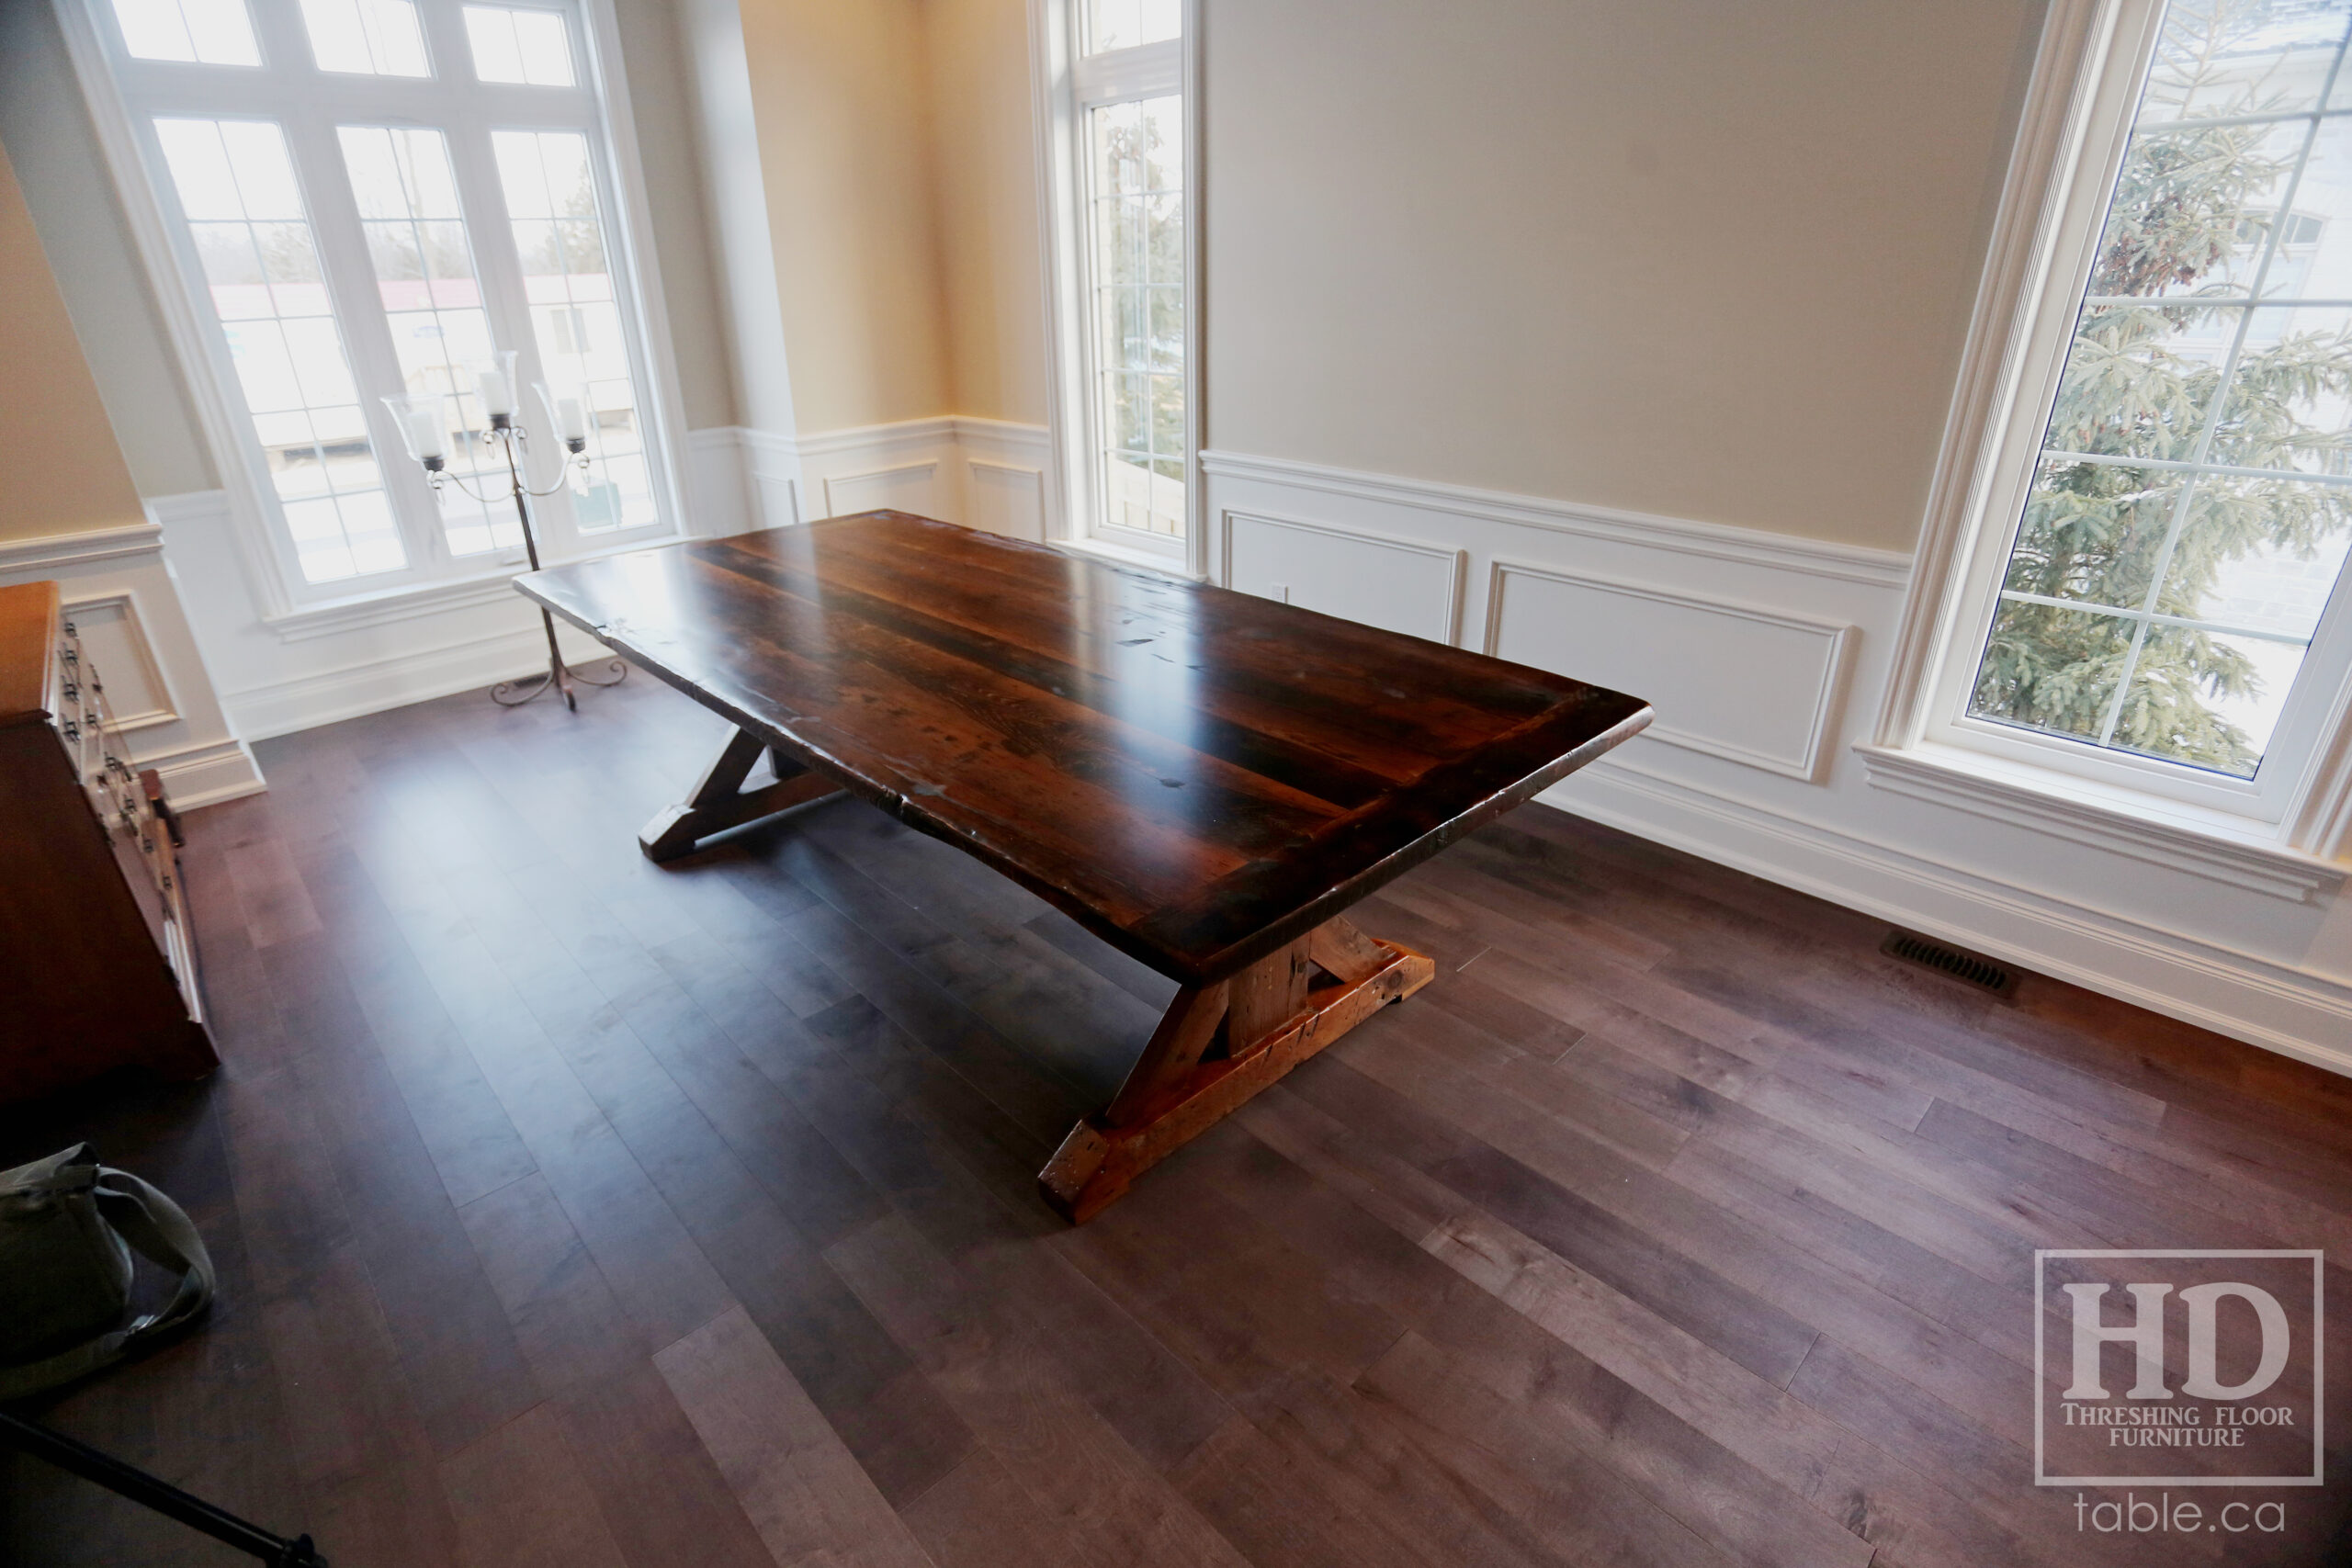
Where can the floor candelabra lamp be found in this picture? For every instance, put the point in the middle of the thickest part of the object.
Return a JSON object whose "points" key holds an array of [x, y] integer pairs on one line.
{"points": [[424, 427]]}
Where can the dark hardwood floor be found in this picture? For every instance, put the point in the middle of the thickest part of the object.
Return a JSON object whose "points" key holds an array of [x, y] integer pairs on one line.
{"points": [[573, 1211]]}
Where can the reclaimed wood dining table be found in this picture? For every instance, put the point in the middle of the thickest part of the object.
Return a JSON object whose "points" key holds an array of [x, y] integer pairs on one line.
{"points": [[1204, 778]]}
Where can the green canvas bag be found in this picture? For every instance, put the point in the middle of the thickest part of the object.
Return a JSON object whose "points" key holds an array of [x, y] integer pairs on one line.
{"points": [[67, 1225]]}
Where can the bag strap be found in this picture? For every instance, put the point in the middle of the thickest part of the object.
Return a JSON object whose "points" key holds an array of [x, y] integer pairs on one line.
{"points": [[157, 1227]]}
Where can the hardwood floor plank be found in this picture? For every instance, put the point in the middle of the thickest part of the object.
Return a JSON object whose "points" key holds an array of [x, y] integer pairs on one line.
{"points": [[1007, 1382], [521, 1501], [978, 1517], [798, 1485], [1639, 1478], [652, 1481]]}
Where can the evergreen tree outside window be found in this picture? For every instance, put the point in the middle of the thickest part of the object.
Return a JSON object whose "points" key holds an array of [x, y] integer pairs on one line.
{"points": [[2191, 508]]}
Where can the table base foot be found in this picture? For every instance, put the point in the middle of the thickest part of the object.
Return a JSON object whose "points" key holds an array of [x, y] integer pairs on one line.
{"points": [[719, 801], [1192, 1077]]}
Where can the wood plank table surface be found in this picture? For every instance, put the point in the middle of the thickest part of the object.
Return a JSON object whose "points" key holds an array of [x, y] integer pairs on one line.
{"points": [[1204, 778]]}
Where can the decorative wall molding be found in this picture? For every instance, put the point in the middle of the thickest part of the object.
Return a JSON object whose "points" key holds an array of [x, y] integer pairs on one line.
{"points": [[1812, 682], [1747, 547], [1006, 498], [908, 487], [1436, 599], [988, 473], [2300, 1012], [2250, 946], [1003, 437], [117, 588], [26, 557], [390, 609], [2204, 849], [875, 440], [138, 690], [411, 675]]}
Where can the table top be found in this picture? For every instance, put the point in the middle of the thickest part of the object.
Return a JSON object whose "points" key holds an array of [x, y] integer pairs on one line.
{"points": [[1198, 776]]}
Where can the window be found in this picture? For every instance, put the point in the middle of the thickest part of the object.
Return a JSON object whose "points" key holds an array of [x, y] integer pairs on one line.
{"points": [[372, 197], [1126, 418], [2162, 608]]}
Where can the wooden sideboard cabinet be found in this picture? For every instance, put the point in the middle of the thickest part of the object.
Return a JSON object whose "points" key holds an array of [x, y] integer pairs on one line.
{"points": [[97, 964]]}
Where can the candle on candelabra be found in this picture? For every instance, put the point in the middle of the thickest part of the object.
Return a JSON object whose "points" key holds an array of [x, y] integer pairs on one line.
{"points": [[570, 416], [423, 430], [423, 419], [498, 386]]}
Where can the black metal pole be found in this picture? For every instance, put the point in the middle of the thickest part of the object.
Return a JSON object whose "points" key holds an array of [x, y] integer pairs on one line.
{"points": [[132, 1481], [556, 672]]}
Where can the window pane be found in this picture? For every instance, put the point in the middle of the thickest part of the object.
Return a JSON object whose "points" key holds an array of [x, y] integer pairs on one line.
{"points": [[2273, 55], [2206, 699], [1123, 23], [583, 350], [407, 195], [260, 268], [1136, 252], [2216, 579], [2048, 668], [2239, 533], [367, 38], [207, 33], [530, 47]]}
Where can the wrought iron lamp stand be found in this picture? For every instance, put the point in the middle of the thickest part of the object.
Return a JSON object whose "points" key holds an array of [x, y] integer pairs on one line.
{"points": [[558, 677]]}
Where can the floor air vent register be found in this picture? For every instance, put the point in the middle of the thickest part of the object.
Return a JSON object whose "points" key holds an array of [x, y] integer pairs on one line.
{"points": [[1970, 968]]}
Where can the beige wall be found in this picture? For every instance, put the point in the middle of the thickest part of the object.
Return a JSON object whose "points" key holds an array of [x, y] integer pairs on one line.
{"points": [[839, 92], [64, 472], [1708, 259], [986, 177]]}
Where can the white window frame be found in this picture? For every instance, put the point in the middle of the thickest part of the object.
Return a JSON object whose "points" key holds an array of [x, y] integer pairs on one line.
{"points": [[1069, 84], [2070, 145], [124, 95]]}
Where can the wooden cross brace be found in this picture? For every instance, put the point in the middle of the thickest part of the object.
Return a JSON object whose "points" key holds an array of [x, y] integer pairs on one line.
{"points": [[1220, 1044], [719, 801]]}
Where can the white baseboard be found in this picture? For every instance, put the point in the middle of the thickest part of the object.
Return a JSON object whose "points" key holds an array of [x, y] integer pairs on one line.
{"points": [[2288, 1009], [206, 776], [396, 680]]}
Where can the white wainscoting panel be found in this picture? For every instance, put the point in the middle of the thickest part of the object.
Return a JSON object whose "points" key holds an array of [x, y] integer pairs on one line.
{"points": [[113, 639], [1398, 585], [721, 498], [910, 487], [1749, 643], [1006, 500], [120, 596], [1752, 685]]}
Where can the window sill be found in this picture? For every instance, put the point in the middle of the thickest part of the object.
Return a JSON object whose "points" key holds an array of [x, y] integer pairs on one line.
{"points": [[2212, 844], [387, 605]]}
